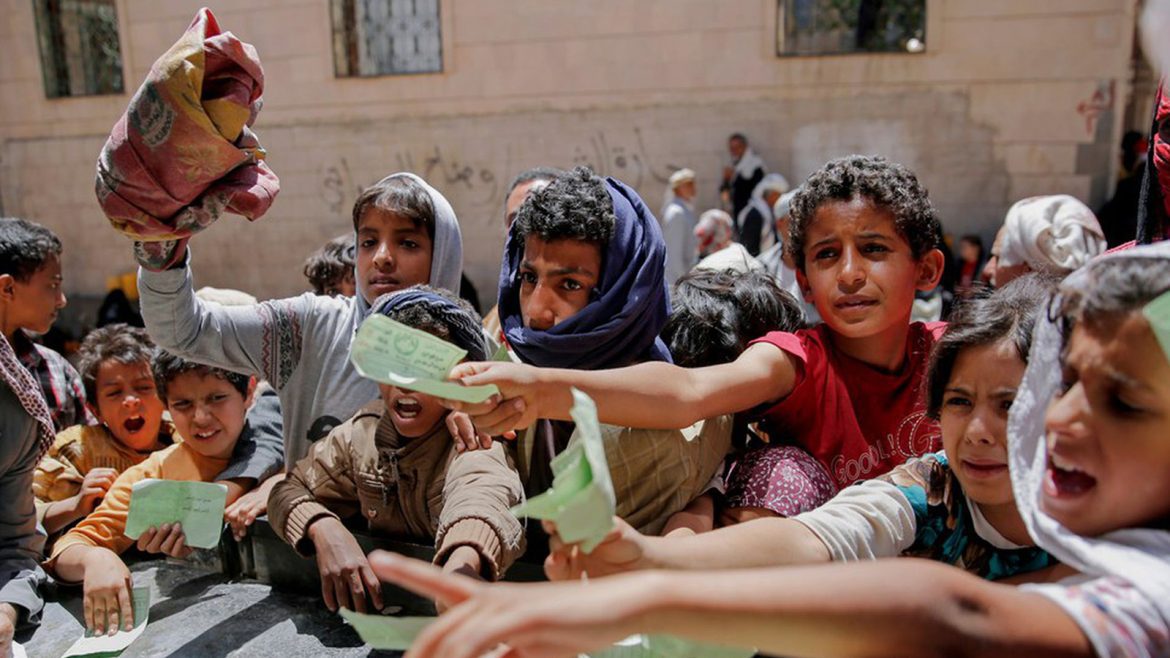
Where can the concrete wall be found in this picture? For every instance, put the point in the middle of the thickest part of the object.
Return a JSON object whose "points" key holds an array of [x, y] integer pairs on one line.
{"points": [[1011, 98]]}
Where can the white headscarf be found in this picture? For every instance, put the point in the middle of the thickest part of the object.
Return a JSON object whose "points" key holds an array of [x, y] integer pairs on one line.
{"points": [[1141, 556], [770, 183], [1048, 232], [748, 163]]}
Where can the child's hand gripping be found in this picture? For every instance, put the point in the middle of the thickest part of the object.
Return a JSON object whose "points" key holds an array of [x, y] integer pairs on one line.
{"points": [[93, 488], [241, 514], [346, 577], [106, 590], [168, 539], [514, 408], [623, 549]]}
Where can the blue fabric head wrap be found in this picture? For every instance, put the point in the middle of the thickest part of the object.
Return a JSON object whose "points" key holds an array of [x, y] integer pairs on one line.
{"points": [[627, 309], [466, 332]]}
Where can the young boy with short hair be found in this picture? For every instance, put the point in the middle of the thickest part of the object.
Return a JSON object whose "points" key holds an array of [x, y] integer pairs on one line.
{"points": [[394, 465], [208, 407], [31, 295], [330, 268], [864, 238], [86, 459]]}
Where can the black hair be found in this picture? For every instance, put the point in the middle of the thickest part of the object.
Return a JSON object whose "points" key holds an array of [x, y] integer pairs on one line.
{"points": [[533, 174], [887, 185], [331, 264], [739, 137], [461, 327], [25, 247], [1009, 312], [1115, 287], [167, 366], [716, 314], [401, 195], [574, 206], [119, 343]]}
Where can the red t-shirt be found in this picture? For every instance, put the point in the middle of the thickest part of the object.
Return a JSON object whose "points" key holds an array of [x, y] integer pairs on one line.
{"points": [[857, 421]]}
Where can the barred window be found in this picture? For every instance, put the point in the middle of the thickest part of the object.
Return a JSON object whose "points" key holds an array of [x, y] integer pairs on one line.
{"points": [[830, 27], [80, 51], [386, 37]]}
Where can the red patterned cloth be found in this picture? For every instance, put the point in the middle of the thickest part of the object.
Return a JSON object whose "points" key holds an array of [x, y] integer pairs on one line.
{"points": [[28, 391], [183, 153]]}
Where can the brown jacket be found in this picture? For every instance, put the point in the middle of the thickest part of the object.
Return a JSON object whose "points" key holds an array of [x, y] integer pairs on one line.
{"points": [[420, 488]]}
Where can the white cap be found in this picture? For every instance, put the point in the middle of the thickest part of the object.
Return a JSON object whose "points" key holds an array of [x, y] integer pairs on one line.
{"points": [[681, 176]]}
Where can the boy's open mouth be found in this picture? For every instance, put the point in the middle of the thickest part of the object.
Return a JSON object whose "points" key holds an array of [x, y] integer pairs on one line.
{"points": [[1065, 480], [134, 424], [407, 408]]}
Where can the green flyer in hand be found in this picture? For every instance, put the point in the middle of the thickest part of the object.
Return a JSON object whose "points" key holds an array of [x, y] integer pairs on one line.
{"points": [[581, 500], [393, 353], [198, 506], [385, 632]]}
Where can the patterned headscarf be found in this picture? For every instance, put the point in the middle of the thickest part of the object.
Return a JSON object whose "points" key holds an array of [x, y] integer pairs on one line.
{"points": [[465, 327], [28, 391]]}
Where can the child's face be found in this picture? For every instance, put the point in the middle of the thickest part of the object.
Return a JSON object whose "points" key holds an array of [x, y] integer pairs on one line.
{"points": [[35, 302], [344, 287], [973, 417], [1109, 431], [208, 412], [392, 254], [128, 404], [413, 414], [860, 272], [556, 280]]}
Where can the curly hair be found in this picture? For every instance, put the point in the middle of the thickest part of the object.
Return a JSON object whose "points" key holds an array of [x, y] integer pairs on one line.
{"points": [[574, 206], [887, 185], [25, 247], [167, 366], [716, 313], [119, 343], [1009, 312], [330, 264]]}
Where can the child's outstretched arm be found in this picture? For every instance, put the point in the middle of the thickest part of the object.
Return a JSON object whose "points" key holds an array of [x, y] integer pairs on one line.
{"points": [[651, 395], [105, 584], [900, 608]]}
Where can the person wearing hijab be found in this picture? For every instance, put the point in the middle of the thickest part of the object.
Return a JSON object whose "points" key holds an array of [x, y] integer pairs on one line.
{"points": [[406, 234], [678, 225], [1055, 234], [755, 224], [744, 173], [717, 248]]}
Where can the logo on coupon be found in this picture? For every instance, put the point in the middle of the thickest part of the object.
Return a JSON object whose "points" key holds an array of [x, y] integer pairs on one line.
{"points": [[406, 344]]}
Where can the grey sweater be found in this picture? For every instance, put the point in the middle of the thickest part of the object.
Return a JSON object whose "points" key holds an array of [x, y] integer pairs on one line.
{"points": [[299, 345], [20, 541]]}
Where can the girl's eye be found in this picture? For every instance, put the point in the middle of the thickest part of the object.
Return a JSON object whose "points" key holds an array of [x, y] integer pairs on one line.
{"points": [[1006, 405]]}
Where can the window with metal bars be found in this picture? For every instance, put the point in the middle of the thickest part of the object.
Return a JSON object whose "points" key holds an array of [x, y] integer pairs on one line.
{"points": [[386, 37], [80, 51], [833, 27]]}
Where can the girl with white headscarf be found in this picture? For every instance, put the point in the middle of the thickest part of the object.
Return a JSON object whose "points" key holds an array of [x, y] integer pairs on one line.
{"points": [[1044, 234]]}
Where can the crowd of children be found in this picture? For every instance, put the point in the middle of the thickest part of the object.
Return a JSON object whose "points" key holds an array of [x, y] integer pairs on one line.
{"points": [[1019, 450]]}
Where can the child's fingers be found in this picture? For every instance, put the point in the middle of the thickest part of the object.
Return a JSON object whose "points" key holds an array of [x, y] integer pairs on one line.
{"points": [[373, 586], [341, 592], [556, 567], [468, 369], [422, 578], [327, 593], [87, 605], [462, 431], [181, 549], [126, 608], [357, 591], [485, 440], [506, 416], [148, 540], [171, 539]]}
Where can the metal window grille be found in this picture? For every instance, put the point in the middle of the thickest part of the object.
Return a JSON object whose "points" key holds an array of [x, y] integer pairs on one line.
{"points": [[80, 51], [386, 37], [830, 27]]}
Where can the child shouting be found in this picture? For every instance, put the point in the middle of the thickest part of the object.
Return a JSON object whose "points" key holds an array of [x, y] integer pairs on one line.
{"points": [[406, 234], [394, 464], [208, 407]]}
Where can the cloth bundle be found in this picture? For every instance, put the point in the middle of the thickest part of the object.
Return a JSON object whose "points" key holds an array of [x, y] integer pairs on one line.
{"points": [[1048, 232], [183, 153]]}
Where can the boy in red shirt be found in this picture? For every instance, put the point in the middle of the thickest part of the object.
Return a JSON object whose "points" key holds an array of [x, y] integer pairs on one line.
{"points": [[864, 238]]}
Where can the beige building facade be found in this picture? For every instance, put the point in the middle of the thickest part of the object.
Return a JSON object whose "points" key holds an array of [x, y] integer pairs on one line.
{"points": [[1009, 98]]}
